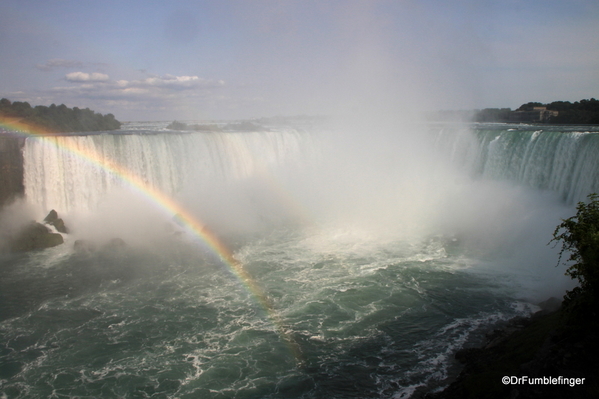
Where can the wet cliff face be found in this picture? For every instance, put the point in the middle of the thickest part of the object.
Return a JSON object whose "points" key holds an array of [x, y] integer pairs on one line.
{"points": [[11, 168]]}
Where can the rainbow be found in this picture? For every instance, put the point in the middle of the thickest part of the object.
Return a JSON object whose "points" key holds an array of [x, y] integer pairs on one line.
{"points": [[171, 207]]}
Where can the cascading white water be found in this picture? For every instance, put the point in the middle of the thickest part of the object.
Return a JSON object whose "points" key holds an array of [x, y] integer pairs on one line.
{"points": [[234, 180], [416, 249], [548, 159], [70, 173], [560, 159]]}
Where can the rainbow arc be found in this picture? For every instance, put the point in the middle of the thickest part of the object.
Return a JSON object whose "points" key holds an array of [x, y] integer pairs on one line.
{"points": [[170, 207]]}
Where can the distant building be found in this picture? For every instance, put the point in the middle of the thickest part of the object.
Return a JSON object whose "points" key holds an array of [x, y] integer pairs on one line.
{"points": [[537, 115]]}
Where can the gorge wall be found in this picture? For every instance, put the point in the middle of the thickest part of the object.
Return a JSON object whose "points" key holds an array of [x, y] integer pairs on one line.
{"points": [[11, 168]]}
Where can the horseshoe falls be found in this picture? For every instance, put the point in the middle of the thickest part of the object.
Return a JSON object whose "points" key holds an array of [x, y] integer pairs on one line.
{"points": [[365, 257]]}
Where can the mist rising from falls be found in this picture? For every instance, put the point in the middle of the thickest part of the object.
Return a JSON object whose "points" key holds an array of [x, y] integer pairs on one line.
{"points": [[404, 178], [383, 249], [224, 178], [496, 191]]}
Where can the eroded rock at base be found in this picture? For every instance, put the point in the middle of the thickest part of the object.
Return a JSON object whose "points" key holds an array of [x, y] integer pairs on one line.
{"points": [[53, 220], [34, 236]]}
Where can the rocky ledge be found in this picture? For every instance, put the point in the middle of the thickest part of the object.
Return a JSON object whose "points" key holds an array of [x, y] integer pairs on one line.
{"points": [[36, 235], [543, 356]]}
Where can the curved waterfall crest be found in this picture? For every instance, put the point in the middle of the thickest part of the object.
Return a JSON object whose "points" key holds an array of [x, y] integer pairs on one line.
{"points": [[563, 160], [58, 178], [380, 250]]}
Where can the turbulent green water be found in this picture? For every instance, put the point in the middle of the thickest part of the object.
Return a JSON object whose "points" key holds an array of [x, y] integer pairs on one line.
{"points": [[370, 319], [372, 302]]}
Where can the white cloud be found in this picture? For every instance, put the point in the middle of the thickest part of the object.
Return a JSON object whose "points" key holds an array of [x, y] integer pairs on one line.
{"points": [[86, 77], [150, 97], [100, 85], [56, 63], [132, 95], [173, 82]]}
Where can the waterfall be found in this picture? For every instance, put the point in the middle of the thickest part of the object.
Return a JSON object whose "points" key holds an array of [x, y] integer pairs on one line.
{"points": [[62, 175], [563, 160], [382, 250], [559, 159]]}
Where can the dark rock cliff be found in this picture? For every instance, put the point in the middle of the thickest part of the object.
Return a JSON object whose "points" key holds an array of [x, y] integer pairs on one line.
{"points": [[11, 168]]}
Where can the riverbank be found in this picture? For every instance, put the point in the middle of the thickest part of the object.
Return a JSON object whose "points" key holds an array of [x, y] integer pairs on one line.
{"points": [[543, 356]]}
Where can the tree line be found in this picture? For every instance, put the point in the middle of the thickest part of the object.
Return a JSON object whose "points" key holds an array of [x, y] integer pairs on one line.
{"points": [[583, 112], [58, 118]]}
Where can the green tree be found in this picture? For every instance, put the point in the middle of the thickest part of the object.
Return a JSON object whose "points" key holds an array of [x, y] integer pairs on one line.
{"points": [[58, 118], [529, 106], [559, 105], [579, 236], [21, 109]]}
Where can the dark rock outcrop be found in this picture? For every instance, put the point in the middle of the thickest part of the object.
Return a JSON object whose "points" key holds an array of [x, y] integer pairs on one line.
{"points": [[543, 346], [11, 168], [550, 305], [53, 220], [34, 236]]}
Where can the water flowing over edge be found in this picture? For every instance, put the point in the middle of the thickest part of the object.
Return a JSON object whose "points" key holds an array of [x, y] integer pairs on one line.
{"points": [[355, 297]]}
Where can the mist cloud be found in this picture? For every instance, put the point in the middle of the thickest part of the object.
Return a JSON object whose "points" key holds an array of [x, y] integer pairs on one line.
{"points": [[86, 77]]}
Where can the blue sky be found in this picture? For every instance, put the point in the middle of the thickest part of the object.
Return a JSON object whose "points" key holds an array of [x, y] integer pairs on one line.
{"points": [[164, 60]]}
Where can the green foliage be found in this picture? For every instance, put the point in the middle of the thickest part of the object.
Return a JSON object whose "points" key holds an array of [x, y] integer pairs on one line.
{"points": [[559, 105], [580, 112], [579, 236], [583, 112], [59, 118], [529, 106], [16, 109]]}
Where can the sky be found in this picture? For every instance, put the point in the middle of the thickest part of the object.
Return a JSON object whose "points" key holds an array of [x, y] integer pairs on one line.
{"points": [[225, 59]]}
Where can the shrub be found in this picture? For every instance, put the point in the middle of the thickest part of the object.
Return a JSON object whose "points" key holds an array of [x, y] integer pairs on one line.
{"points": [[579, 236]]}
